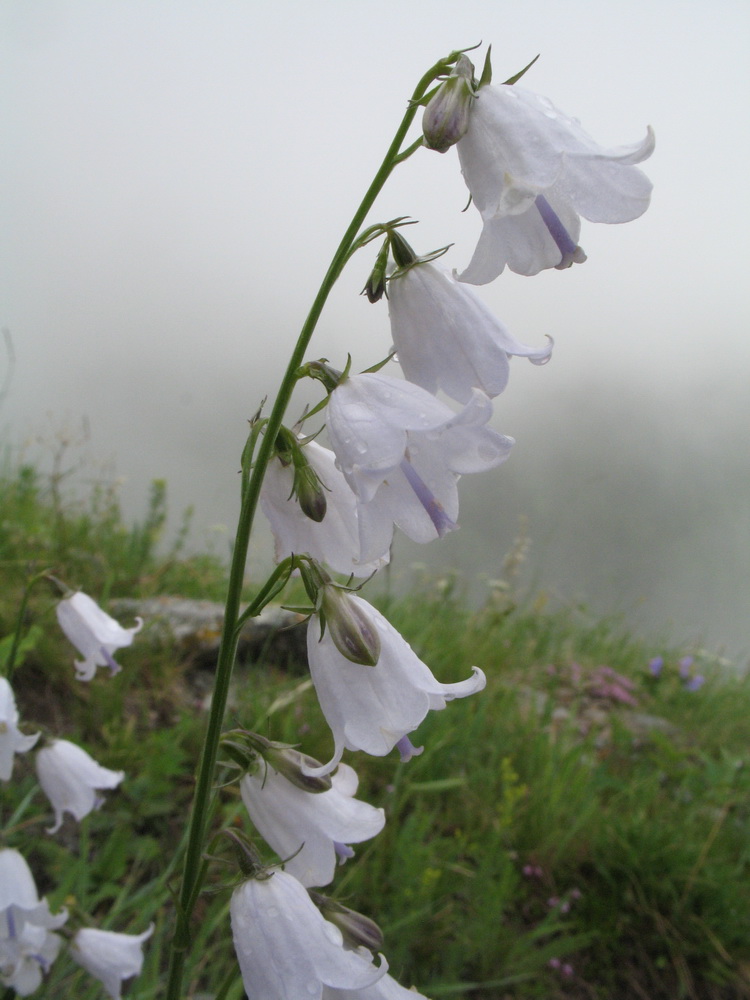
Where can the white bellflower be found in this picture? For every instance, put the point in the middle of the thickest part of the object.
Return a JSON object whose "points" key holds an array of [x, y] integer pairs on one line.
{"points": [[447, 338], [286, 949], [531, 172], [334, 540], [110, 957], [27, 948], [95, 635], [70, 779], [311, 829], [402, 451], [375, 708], [12, 740]]}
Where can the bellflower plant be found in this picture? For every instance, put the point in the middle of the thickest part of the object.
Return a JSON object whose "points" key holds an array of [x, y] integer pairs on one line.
{"points": [[27, 946], [70, 779], [95, 635], [402, 451], [286, 948], [532, 172], [310, 830], [110, 957], [12, 740], [447, 338], [397, 455], [374, 708]]}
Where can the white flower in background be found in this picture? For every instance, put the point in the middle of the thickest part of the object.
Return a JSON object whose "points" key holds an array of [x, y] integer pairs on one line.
{"points": [[532, 171], [70, 779], [285, 947], [402, 451], [110, 957], [334, 540], [447, 338], [375, 708], [385, 989], [95, 635], [310, 828], [27, 948], [12, 740]]}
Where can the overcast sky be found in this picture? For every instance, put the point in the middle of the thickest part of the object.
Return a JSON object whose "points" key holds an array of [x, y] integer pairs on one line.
{"points": [[174, 177]]}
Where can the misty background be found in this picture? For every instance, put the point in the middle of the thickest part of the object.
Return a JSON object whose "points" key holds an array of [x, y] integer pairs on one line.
{"points": [[175, 176]]}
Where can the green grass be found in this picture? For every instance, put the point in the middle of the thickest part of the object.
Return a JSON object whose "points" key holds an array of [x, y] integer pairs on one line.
{"points": [[549, 822]]}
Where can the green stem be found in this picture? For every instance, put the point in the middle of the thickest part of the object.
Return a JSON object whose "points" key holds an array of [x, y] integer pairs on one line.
{"points": [[11, 661], [193, 872]]}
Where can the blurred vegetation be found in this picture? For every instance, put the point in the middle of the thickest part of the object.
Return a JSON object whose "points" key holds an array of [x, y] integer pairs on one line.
{"points": [[579, 830]]}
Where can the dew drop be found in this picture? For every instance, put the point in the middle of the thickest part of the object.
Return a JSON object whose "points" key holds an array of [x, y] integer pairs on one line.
{"points": [[360, 447], [272, 912]]}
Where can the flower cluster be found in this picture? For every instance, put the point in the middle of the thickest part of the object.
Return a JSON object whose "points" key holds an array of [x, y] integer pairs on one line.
{"points": [[71, 779], [397, 452]]}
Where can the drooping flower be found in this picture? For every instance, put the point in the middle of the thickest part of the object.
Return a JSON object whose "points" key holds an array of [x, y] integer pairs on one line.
{"points": [[447, 338], [310, 829], [95, 635], [531, 172], [110, 957], [70, 779], [285, 947], [27, 946], [12, 740], [335, 539], [402, 451], [375, 708]]}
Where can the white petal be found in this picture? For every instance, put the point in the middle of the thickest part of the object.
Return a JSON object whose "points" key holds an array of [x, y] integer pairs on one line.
{"points": [[286, 949], [69, 778], [372, 708], [110, 957]]}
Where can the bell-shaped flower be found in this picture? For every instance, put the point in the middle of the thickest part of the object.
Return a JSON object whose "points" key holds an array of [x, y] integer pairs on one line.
{"points": [[286, 949], [109, 957], [95, 635], [12, 740], [402, 451], [375, 708], [27, 946], [334, 540], [309, 829], [531, 172], [447, 338], [70, 779], [385, 989]]}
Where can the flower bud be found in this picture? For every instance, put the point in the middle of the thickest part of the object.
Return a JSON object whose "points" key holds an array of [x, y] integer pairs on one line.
{"points": [[357, 929], [290, 763], [446, 117], [375, 287], [353, 633], [308, 489]]}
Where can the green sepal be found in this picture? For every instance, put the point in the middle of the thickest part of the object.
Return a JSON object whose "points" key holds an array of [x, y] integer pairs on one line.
{"points": [[486, 77], [514, 79]]}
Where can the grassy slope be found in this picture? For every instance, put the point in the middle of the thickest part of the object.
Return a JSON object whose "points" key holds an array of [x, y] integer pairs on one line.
{"points": [[567, 833]]}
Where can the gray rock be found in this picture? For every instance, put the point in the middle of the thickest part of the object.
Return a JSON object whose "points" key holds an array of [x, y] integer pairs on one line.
{"points": [[276, 636]]}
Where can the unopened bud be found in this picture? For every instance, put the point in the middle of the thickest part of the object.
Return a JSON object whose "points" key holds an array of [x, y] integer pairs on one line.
{"points": [[353, 633], [290, 763], [310, 494], [446, 117], [375, 287], [357, 929]]}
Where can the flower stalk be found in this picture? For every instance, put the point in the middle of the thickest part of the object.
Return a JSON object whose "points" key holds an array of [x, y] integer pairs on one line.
{"points": [[194, 869]]}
